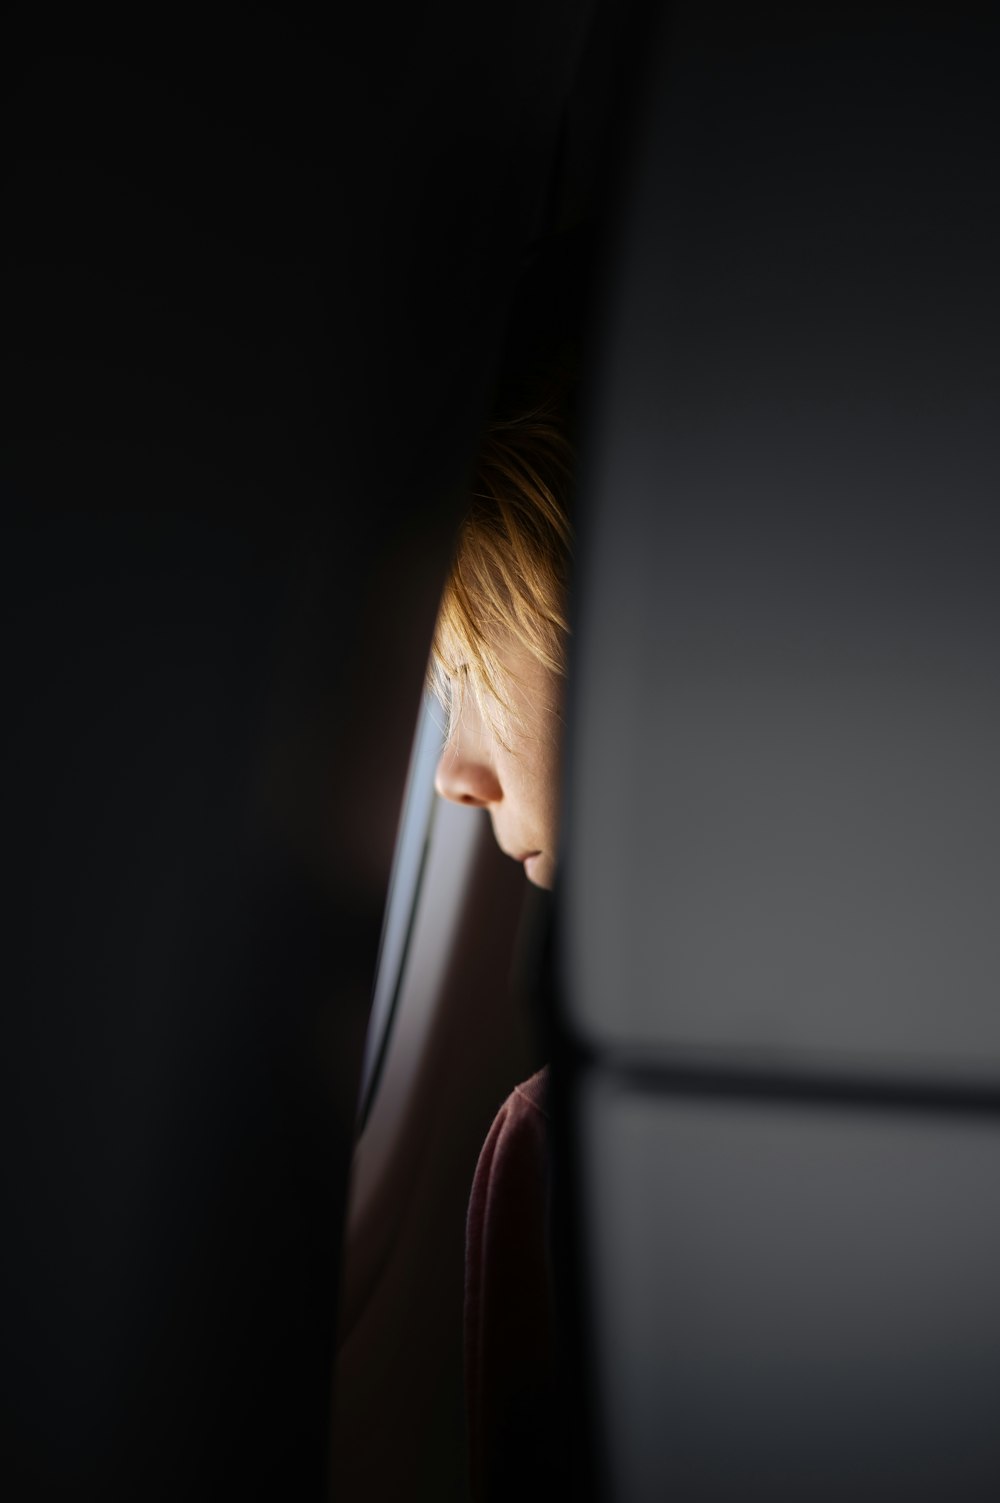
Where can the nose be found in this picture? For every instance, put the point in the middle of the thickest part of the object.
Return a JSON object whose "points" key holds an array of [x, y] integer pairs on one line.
{"points": [[466, 778]]}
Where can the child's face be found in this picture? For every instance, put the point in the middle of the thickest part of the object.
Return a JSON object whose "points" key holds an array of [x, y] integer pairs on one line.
{"points": [[520, 785]]}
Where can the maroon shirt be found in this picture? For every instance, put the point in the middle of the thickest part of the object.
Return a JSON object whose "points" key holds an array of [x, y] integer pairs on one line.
{"points": [[509, 1348]]}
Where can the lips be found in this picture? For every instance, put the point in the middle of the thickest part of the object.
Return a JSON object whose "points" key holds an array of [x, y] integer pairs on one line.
{"points": [[522, 857]]}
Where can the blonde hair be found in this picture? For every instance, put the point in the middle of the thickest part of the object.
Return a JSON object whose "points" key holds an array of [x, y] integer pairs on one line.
{"points": [[509, 574]]}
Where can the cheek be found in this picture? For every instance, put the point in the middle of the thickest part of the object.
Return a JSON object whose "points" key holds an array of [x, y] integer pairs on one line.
{"points": [[550, 791], [543, 764], [533, 795]]}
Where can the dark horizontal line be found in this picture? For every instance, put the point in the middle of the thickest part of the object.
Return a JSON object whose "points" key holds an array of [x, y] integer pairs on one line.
{"points": [[802, 1084]]}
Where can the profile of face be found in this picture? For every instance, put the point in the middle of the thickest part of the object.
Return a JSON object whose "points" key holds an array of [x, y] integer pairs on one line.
{"points": [[518, 783]]}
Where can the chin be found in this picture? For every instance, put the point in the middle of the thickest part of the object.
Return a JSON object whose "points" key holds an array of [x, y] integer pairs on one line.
{"points": [[540, 870]]}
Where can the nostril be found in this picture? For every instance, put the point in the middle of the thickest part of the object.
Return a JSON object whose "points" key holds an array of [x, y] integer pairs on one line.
{"points": [[467, 781]]}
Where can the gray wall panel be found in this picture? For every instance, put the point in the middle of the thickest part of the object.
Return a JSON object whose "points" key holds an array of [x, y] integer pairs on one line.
{"points": [[783, 822], [792, 1302]]}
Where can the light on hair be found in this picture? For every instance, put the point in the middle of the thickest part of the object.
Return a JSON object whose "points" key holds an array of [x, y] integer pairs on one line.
{"points": [[507, 584]]}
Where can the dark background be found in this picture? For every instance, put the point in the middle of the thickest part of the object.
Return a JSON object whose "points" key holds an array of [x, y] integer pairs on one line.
{"points": [[258, 272]]}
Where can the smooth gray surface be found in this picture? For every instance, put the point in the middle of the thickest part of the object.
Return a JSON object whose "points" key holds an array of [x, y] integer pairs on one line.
{"points": [[792, 1302], [783, 823]]}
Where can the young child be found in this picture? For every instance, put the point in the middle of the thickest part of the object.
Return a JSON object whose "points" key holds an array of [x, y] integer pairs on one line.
{"points": [[498, 664]]}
